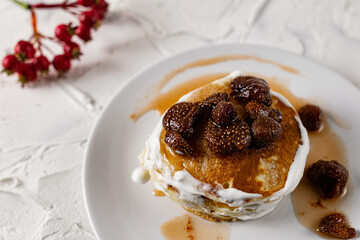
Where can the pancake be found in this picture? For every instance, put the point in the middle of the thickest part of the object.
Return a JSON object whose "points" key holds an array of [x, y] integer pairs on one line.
{"points": [[242, 183]]}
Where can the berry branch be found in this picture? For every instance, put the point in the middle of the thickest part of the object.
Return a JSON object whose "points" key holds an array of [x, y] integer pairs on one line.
{"points": [[28, 59], [63, 5]]}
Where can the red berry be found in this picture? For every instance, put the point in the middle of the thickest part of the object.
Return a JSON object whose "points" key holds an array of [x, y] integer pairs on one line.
{"points": [[89, 18], [100, 14], [83, 33], [101, 5], [42, 63], [86, 3], [10, 64], [72, 50], [61, 63], [64, 32], [24, 50], [27, 72]]}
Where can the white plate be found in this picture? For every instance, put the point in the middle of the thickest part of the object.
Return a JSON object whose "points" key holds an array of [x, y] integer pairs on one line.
{"points": [[121, 209]]}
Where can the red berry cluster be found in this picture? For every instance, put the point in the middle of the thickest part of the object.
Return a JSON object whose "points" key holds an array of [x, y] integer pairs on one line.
{"points": [[28, 59]]}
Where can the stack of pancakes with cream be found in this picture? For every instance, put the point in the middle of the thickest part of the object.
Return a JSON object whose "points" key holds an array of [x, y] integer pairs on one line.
{"points": [[229, 150]]}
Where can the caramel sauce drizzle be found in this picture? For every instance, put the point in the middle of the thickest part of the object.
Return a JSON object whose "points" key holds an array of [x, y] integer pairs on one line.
{"points": [[194, 228], [158, 193], [162, 101]]}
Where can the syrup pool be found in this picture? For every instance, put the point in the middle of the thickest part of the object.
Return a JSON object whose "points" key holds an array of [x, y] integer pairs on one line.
{"points": [[325, 144], [190, 227], [160, 100]]}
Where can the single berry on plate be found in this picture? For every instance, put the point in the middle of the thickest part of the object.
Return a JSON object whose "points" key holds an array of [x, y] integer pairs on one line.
{"points": [[72, 50], [335, 225], [329, 176], [24, 50], [311, 117]]}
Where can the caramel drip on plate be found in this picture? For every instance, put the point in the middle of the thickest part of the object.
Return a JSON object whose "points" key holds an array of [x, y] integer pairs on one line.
{"points": [[211, 61], [188, 227], [309, 207], [160, 101]]}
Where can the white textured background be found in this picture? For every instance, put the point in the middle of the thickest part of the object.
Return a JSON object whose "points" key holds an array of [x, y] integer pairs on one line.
{"points": [[44, 130]]}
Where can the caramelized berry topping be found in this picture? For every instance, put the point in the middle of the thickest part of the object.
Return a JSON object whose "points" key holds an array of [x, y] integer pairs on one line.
{"points": [[311, 117], [329, 176], [276, 114], [224, 140], [214, 99], [177, 143], [181, 117], [223, 113], [265, 131], [335, 225], [255, 109], [248, 88]]}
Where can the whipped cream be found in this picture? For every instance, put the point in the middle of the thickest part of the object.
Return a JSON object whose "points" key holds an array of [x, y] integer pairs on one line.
{"points": [[246, 205], [140, 175]]}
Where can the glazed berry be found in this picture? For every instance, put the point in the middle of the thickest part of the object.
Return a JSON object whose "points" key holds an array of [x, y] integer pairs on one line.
{"points": [[83, 33], [24, 50], [61, 63], [72, 50], [64, 32], [90, 18], [86, 3], [177, 143], [311, 117], [276, 114], [223, 113], [255, 109], [42, 63], [329, 176], [10, 64], [225, 140], [265, 131], [335, 225], [214, 99], [248, 88], [181, 117], [27, 72]]}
